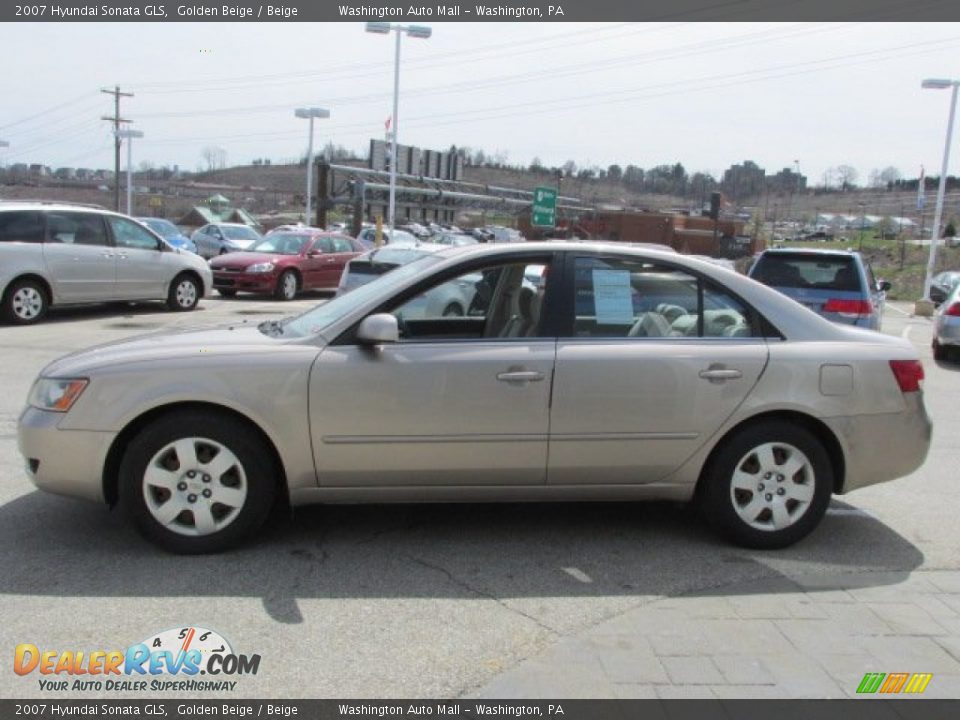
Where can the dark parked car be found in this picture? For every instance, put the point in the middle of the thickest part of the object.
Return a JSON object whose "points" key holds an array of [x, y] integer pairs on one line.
{"points": [[837, 284], [285, 263]]}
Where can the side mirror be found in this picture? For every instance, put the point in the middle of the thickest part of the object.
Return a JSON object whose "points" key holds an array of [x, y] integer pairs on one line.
{"points": [[378, 329], [884, 286]]}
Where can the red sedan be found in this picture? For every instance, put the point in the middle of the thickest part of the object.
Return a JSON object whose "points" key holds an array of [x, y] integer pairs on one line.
{"points": [[284, 263]]}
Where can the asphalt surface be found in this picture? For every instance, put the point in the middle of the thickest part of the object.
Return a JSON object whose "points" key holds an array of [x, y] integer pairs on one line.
{"points": [[408, 601]]}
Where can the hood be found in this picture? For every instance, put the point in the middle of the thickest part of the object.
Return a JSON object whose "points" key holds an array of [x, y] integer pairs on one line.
{"points": [[241, 260], [242, 244], [207, 342]]}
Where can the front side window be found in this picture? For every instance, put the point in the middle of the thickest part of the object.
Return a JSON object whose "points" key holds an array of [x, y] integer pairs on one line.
{"points": [[24, 227], [627, 298], [69, 228], [128, 234], [496, 301], [239, 233], [341, 244]]}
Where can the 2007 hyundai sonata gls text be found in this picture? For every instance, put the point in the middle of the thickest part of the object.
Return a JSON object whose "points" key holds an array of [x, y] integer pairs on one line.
{"points": [[622, 374]]}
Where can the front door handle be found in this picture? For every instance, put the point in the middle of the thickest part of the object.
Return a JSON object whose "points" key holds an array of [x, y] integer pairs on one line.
{"points": [[719, 374], [520, 376]]}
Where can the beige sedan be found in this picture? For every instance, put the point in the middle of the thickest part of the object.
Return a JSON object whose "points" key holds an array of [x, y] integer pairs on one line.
{"points": [[626, 374]]}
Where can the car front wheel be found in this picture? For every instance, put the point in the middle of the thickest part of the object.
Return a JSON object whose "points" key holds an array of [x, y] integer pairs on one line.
{"points": [[286, 286], [197, 482], [768, 486], [184, 293]]}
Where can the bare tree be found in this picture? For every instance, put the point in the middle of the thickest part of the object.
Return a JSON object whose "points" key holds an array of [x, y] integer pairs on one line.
{"points": [[890, 175], [214, 157], [847, 175]]}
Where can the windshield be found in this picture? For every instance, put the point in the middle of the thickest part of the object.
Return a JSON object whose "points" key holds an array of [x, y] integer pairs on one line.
{"points": [[315, 320], [280, 244], [239, 233], [164, 228]]}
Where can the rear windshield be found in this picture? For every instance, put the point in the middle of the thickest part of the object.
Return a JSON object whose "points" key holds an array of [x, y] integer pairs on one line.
{"points": [[819, 272]]}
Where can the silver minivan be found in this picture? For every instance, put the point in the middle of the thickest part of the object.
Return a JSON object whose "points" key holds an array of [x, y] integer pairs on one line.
{"points": [[62, 254]]}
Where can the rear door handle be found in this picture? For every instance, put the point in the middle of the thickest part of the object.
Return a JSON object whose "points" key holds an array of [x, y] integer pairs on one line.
{"points": [[520, 376], [718, 374]]}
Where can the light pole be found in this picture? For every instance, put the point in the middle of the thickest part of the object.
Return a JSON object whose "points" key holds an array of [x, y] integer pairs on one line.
{"points": [[311, 113], [3, 144], [414, 31], [939, 84], [129, 135]]}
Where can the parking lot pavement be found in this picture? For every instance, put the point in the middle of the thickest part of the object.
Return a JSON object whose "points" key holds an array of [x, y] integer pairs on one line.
{"points": [[609, 600]]}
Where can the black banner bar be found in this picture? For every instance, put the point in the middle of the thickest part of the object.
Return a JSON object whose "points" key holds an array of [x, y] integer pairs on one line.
{"points": [[419, 11], [867, 709]]}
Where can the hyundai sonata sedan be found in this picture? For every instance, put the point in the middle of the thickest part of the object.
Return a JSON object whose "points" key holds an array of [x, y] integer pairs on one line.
{"points": [[626, 374]]}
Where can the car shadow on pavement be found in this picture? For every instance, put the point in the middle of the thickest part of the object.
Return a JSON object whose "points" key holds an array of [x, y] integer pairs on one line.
{"points": [[59, 547]]}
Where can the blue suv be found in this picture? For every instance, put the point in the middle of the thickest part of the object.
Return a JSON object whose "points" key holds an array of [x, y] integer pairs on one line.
{"points": [[837, 284]]}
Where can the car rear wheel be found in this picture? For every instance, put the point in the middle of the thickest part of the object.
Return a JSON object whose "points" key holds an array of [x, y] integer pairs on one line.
{"points": [[197, 482], [768, 486], [286, 286], [25, 302], [184, 293], [939, 351]]}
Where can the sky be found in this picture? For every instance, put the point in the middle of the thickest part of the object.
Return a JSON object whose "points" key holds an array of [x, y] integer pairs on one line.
{"points": [[707, 95]]}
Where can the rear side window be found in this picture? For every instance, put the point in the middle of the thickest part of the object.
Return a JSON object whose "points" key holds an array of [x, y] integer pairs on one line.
{"points": [[621, 298], [26, 227], [341, 244], [817, 272], [69, 228]]}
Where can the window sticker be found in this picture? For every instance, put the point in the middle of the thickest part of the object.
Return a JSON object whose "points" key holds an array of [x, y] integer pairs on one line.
{"points": [[612, 297]]}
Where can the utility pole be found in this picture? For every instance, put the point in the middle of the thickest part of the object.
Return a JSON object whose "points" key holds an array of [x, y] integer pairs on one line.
{"points": [[117, 140]]}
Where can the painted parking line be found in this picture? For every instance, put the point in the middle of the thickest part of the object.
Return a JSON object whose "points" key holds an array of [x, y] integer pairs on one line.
{"points": [[902, 312], [578, 574], [906, 332]]}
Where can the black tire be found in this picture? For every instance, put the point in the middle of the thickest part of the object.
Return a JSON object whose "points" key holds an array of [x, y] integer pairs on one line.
{"points": [[227, 293], [256, 476], [184, 293], [719, 500], [939, 352], [25, 302], [287, 286], [453, 310]]}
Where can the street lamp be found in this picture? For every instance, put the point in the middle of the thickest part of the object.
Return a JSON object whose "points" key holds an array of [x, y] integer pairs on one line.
{"points": [[414, 31], [129, 135], [939, 84], [311, 113]]}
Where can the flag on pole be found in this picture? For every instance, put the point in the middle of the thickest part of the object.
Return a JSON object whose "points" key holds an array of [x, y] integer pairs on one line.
{"points": [[920, 197]]}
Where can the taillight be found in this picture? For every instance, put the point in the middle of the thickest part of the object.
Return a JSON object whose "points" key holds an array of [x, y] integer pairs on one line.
{"points": [[848, 307], [953, 310], [909, 374]]}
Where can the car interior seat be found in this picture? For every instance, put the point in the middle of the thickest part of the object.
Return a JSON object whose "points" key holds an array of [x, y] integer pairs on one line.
{"points": [[650, 324]]}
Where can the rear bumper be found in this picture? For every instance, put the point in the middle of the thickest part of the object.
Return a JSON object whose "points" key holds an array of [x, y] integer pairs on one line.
{"points": [[878, 448], [66, 462], [947, 331]]}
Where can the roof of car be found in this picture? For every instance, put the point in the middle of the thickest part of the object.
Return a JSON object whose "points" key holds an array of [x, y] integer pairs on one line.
{"points": [[808, 251], [12, 205]]}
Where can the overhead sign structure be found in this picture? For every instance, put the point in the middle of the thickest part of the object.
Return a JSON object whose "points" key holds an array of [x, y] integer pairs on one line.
{"points": [[544, 207]]}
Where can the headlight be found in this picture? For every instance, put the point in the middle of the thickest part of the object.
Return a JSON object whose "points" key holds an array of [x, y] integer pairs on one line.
{"points": [[260, 267], [56, 394]]}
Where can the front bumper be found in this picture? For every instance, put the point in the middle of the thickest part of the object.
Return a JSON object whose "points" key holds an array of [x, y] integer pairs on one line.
{"points": [[65, 462], [244, 281], [878, 448]]}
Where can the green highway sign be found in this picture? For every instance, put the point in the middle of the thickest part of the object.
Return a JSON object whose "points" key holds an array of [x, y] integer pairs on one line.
{"points": [[544, 207]]}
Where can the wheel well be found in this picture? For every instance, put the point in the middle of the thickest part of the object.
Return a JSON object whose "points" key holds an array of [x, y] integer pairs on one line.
{"points": [[296, 274], [811, 424], [111, 468], [45, 286], [195, 276]]}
